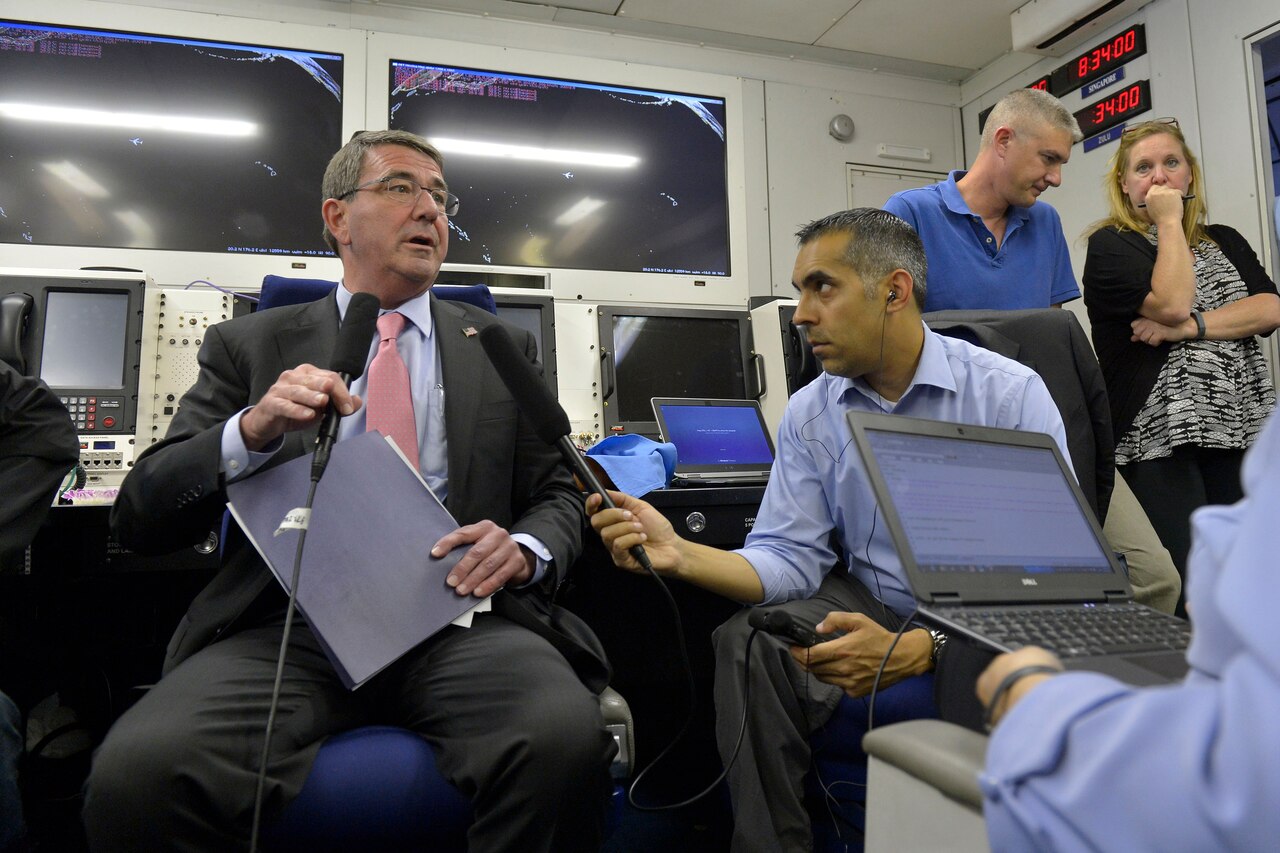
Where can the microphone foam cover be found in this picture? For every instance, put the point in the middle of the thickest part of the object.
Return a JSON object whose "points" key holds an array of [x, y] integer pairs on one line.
{"points": [[359, 325], [526, 386]]}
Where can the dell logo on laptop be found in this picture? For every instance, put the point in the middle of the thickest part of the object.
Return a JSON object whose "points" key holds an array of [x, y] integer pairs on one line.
{"points": [[1029, 582]]}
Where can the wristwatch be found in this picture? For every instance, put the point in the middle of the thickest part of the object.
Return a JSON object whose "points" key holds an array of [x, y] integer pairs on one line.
{"points": [[939, 640]]}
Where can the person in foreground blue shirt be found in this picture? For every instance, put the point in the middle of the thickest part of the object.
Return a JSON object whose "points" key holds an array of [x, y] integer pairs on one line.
{"points": [[990, 242], [1080, 761], [860, 275]]}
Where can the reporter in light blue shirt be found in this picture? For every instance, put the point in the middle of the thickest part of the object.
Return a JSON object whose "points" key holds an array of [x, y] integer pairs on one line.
{"points": [[818, 483], [1080, 761], [861, 279]]}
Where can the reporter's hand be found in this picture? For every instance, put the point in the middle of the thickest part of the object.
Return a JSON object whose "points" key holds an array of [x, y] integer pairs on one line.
{"points": [[1005, 664], [635, 522], [297, 400], [850, 662], [495, 559]]}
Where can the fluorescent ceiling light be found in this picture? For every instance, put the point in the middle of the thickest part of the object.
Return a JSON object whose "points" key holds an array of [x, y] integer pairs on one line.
{"points": [[75, 177], [132, 121], [143, 235], [562, 156], [579, 211]]}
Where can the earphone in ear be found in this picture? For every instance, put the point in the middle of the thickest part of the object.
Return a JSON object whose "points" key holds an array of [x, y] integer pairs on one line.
{"points": [[893, 294]]}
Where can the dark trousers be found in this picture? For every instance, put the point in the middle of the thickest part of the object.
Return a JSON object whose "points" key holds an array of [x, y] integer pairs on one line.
{"points": [[787, 705], [1170, 489], [512, 727]]}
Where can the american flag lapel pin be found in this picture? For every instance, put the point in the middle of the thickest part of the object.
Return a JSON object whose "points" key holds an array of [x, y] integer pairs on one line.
{"points": [[469, 331]]}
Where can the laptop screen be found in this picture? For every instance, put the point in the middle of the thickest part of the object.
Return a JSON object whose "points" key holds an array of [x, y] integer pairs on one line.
{"points": [[715, 435], [979, 507]]}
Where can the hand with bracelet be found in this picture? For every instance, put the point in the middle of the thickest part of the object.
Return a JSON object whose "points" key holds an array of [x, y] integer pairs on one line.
{"points": [[1154, 333], [1010, 676]]}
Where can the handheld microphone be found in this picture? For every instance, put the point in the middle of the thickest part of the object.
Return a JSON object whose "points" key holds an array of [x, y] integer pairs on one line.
{"points": [[548, 419], [349, 355], [782, 624]]}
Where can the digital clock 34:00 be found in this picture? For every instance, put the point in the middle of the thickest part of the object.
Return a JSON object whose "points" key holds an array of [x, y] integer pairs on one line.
{"points": [[1113, 109]]}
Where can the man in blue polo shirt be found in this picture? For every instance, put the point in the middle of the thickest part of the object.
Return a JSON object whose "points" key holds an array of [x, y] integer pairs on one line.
{"points": [[988, 242], [991, 245]]}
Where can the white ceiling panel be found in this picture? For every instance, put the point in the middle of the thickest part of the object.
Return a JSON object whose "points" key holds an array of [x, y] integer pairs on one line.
{"points": [[786, 20], [967, 33]]}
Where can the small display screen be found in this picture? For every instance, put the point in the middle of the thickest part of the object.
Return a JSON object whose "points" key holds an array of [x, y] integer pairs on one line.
{"points": [[717, 435], [529, 318], [675, 357], [1099, 61], [571, 174], [85, 334], [1114, 109], [977, 507]]}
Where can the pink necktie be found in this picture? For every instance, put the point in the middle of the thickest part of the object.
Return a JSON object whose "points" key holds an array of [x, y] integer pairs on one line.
{"points": [[390, 400]]}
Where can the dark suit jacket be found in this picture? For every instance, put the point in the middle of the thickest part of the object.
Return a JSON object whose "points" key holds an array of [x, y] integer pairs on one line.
{"points": [[1051, 342], [38, 446], [498, 469]]}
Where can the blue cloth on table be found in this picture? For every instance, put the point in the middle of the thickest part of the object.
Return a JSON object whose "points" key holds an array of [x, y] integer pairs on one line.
{"points": [[637, 465]]}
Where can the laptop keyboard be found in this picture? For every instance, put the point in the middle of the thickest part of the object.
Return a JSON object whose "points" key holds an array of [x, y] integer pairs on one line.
{"points": [[1076, 630]]}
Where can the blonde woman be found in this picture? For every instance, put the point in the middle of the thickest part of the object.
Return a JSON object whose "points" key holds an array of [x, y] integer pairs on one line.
{"points": [[1175, 304]]}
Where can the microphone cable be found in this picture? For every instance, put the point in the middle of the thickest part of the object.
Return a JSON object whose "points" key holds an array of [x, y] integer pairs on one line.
{"points": [[551, 424], [350, 354], [687, 670], [260, 786]]}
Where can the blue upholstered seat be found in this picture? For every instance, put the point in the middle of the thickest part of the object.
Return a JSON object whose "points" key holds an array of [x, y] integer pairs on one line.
{"points": [[281, 290], [835, 789], [373, 788]]}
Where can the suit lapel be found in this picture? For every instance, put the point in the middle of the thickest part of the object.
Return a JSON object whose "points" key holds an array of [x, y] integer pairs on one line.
{"points": [[462, 364]]}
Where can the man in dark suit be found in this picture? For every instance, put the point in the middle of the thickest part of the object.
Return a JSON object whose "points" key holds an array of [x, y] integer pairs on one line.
{"points": [[38, 446], [507, 703]]}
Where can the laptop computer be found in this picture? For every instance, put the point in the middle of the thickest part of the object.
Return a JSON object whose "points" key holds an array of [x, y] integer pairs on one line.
{"points": [[999, 544], [718, 442]]}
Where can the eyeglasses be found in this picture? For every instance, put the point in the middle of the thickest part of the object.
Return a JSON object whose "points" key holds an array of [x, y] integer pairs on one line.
{"points": [[1168, 120], [405, 191]]}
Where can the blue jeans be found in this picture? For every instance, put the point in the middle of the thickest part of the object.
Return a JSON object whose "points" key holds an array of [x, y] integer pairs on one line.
{"points": [[10, 750]]}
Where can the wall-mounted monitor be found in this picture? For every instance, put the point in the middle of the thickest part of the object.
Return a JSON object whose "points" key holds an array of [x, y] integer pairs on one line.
{"points": [[119, 140], [671, 352], [573, 174], [81, 334], [536, 314]]}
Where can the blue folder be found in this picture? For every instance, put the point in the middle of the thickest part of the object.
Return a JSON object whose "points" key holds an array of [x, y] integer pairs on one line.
{"points": [[369, 587]]}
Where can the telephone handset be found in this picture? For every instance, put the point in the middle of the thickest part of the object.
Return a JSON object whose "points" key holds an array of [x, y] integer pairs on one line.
{"points": [[15, 308]]}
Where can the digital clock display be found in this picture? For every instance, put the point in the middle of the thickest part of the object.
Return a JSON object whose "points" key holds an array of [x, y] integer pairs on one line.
{"points": [[1113, 109], [1099, 61]]}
